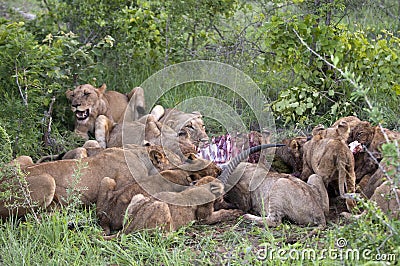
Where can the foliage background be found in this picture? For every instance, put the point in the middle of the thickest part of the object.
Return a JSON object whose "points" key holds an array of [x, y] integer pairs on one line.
{"points": [[123, 42]]}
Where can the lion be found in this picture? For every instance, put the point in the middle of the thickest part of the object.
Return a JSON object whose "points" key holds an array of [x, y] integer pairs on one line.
{"points": [[141, 159], [372, 138], [289, 158], [278, 195], [88, 102], [148, 130], [193, 122], [339, 131], [37, 191], [332, 160], [381, 136], [131, 164], [351, 121], [387, 198], [22, 161], [369, 183], [147, 212]]}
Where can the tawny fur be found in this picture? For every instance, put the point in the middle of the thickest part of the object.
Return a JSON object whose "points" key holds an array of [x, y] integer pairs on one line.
{"points": [[88, 102], [278, 196], [386, 198], [193, 122], [290, 155], [148, 129], [169, 210], [122, 165], [40, 192], [331, 159]]}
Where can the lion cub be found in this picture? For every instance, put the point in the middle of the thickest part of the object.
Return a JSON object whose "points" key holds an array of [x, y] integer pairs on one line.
{"points": [[341, 131], [169, 210], [279, 195], [328, 156]]}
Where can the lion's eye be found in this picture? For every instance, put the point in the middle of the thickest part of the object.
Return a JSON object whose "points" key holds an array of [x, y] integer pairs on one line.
{"points": [[86, 93]]}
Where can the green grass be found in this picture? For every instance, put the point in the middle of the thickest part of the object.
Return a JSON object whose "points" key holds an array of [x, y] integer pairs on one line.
{"points": [[49, 241]]}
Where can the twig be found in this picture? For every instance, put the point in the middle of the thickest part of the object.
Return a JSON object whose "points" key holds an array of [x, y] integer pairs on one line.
{"points": [[24, 97], [48, 117]]}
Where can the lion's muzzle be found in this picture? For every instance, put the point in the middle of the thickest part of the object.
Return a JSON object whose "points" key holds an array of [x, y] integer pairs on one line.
{"points": [[82, 115]]}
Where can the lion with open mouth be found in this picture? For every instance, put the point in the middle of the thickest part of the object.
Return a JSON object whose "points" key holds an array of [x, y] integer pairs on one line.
{"points": [[88, 103]]}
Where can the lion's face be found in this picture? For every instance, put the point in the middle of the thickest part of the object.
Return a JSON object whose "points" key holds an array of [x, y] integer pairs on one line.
{"points": [[85, 101], [363, 132], [197, 130], [201, 166], [192, 123]]}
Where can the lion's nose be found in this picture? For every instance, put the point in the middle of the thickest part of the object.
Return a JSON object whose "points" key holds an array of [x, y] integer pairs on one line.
{"points": [[76, 105]]}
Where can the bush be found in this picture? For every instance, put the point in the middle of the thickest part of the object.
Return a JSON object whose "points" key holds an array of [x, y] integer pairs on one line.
{"points": [[5, 147]]}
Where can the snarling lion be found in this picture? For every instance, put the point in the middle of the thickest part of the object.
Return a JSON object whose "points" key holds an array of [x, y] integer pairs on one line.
{"points": [[279, 196], [88, 102], [144, 211]]}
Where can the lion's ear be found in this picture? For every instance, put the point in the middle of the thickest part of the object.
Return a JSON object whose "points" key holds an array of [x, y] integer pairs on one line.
{"points": [[102, 89], [197, 113], [343, 128], [69, 94], [156, 157]]}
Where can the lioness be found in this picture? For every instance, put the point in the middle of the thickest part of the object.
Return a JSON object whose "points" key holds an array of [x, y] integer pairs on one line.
{"points": [[144, 211], [148, 129], [277, 195], [88, 102], [193, 122], [37, 192], [124, 166]]}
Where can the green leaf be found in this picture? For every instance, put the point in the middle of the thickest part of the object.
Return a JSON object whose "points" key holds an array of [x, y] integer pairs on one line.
{"points": [[335, 60]]}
